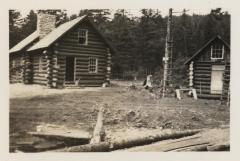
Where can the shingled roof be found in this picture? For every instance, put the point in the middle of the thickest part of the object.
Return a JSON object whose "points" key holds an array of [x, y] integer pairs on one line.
{"points": [[53, 36], [204, 46]]}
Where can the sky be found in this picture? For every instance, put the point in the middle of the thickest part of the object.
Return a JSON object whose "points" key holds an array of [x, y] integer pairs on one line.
{"points": [[194, 6], [135, 12]]}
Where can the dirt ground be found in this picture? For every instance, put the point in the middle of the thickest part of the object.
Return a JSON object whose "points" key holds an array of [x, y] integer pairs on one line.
{"points": [[32, 105]]}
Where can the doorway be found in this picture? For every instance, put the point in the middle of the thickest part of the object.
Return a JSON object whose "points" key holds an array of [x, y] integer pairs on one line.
{"points": [[70, 69], [217, 79]]}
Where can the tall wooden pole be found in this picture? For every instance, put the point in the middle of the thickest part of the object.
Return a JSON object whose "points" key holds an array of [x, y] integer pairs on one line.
{"points": [[167, 59]]}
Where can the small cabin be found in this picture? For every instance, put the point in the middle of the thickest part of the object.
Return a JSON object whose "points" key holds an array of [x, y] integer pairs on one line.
{"points": [[209, 70], [72, 54]]}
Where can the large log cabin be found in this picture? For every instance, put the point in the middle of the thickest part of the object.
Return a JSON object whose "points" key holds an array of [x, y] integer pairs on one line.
{"points": [[72, 54], [209, 69]]}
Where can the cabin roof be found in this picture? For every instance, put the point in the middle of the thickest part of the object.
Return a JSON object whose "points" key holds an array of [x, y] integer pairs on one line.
{"points": [[22, 44], [204, 46], [53, 36]]}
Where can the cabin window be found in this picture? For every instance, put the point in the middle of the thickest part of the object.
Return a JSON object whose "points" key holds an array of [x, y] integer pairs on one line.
{"points": [[40, 67], [93, 65], [217, 52], [83, 36]]}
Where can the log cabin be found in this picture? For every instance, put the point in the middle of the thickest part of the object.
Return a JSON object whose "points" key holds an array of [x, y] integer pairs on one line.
{"points": [[209, 69], [72, 54]]}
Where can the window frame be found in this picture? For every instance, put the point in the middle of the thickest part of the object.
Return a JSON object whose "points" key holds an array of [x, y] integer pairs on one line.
{"points": [[85, 37], [95, 65], [217, 58]]}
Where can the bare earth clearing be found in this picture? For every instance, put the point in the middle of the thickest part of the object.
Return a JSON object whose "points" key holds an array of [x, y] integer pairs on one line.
{"points": [[130, 112]]}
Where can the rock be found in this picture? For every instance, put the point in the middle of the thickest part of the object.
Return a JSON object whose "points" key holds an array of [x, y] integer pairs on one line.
{"points": [[131, 113], [194, 118]]}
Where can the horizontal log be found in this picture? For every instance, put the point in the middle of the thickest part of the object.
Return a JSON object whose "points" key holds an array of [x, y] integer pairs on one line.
{"points": [[202, 86], [202, 65], [203, 91], [202, 75], [39, 74], [202, 71], [39, 78], [90, 38], [86, 48], [202, 82], [201, 79], [97, 46], [85, 59], [61, 74], [86, 63], [91, 81], [81, 53], [91, 34], [210, 62], [86, 70], [93, 74], [77, 45], [202, 68], [39, 82]]}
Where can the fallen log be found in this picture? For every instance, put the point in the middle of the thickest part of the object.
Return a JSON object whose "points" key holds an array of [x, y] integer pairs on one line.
{"points": [[98, 147], [99, 132], [192, 147], [68, 139], [219, 147], [127, 143]]}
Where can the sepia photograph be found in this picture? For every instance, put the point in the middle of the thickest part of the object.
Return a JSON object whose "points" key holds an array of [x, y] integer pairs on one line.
{"points": [[119, 80]]}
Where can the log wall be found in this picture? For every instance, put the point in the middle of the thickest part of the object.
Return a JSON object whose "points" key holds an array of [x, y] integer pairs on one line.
{"points": [[16, 72], [61, 63], [68, 46], [202, 77], [39, 75]]}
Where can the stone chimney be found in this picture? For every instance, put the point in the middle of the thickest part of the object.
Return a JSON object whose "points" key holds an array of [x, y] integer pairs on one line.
{"points": [[45, 23]]}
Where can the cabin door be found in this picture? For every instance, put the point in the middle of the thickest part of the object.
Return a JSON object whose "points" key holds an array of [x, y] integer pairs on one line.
{"points": [[70, 69], [217, 79]]}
